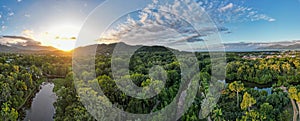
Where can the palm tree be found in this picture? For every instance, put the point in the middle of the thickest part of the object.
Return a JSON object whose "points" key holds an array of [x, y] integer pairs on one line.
{"points": [[236, 87]]}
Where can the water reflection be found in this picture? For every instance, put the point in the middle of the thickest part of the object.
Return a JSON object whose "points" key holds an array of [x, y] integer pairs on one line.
{"points": [[268, 90], [42, 108]]}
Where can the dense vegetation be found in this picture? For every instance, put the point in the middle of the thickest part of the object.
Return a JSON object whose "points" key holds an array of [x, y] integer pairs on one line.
{"points": [[20, 78], [22, 74], [239, 100], [282, 71]]}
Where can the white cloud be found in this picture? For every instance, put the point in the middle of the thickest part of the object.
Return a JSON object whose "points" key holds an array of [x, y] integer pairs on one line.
{"points": [[262, 17], [27, 15], [229, 6], [4, 28], [18, 41], [271, 20], [28, 33], [163, 24], [11, 13], [143, 17], [19, 0]]}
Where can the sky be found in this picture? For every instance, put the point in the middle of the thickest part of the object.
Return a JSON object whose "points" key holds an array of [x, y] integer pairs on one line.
{"points": [[58, 22], [285, 27]]}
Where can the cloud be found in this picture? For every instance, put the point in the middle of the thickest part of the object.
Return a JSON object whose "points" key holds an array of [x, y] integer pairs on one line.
{"points": [[65, 38], [271, 19], [262, 17], [18, 41], [11, 13], [162, 24], [18, 37], [27, 15], [28, 33], [229, 6], [175, 22], [3, 28], [227, 11]]}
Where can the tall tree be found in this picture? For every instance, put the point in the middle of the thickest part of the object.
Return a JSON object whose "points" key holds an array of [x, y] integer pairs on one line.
{"points": [[237, 87], [247, 102], [295, 95]]}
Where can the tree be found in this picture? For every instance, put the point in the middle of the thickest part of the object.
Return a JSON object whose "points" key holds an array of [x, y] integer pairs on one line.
{"points": [[266, 110], [217, 114], [295, 95], [253, 116], [5, 92], [247, 101], [8, 113], [284, 116], [236, 87]]}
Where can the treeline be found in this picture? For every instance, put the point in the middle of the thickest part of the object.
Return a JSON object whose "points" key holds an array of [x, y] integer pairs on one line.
{"points": [[280, 71]]}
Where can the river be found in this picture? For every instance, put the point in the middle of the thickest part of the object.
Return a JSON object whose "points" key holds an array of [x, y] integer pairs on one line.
{"points": [[42, 108]]}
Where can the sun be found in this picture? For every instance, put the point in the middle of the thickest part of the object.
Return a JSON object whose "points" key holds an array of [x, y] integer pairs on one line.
{"points": [[64, 46], [62, 37]]}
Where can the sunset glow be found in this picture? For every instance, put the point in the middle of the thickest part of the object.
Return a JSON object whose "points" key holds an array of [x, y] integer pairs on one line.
{"points": [[62, 37]]}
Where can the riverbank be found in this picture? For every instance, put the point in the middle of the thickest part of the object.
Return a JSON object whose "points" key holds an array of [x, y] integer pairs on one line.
{"points": [[30, 95], [42, 108]]}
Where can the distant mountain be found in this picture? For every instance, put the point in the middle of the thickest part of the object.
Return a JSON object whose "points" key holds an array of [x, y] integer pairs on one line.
{"points": [[263, 46], [243, 46], [99, 49], [36, 48], [91, 49], [229, 47], [31, 50], [295, 46], [7, 49], [108, 49], [20, 44]]}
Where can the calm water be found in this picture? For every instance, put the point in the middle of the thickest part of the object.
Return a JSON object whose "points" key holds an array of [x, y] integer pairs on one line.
{"points": [[268, 90], [266, 87], [42, 108]]}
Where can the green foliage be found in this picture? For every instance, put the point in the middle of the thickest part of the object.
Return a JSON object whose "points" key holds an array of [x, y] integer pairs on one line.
{"points": [[8, 113], [236, 87], [267, 111], [68, 107], [247, 101], [253, 115], [20, 79], [282, 71]]}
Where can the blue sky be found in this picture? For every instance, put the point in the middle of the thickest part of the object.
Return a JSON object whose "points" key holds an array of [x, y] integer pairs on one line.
{"points": [[285, 28], [274, 20]]}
